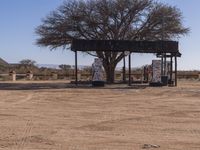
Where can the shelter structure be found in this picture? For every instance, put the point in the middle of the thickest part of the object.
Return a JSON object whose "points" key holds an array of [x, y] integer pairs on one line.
{"points": [[163, 49]]}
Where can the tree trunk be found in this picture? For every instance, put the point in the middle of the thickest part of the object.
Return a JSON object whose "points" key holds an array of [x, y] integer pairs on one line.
{"points": [[110, 73], [110, 61]]}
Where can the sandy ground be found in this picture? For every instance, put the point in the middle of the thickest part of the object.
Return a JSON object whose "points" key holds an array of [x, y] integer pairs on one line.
{"points": [[59, 118]]}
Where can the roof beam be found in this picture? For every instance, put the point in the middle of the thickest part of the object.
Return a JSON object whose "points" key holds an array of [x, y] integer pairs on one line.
{"points": [[125, 45]]}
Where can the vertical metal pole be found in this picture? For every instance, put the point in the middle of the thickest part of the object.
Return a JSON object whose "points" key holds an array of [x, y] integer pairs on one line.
{"points": [[165, 65], [175, 70], [129, 74], [124, 68], [110, 65], [162, 38], [171, 68], [162, 65], [76, 69]]}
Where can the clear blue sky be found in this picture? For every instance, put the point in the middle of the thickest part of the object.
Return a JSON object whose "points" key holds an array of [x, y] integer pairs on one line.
{"points": [[19, 18]]}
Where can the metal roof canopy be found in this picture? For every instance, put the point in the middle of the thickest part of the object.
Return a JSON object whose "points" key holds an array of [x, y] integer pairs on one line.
{"points": [[161, 48], [126, 45]]}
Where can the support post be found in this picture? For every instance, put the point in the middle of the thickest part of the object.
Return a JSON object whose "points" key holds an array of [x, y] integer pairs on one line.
{"points": [[165, 64], [124, 68], [175, 70], [29, 75], [13, 75], [110, 65], [162, 65], [162, 45], [171, 68], [76, 69], [129, 74]]}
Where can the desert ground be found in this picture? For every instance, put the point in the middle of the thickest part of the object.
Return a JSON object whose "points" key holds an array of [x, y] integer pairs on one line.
{"points": [[54, 116]]}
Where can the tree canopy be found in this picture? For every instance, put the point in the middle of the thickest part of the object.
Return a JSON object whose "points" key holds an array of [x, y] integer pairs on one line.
{"points": [[110, 20], [28, 62]]}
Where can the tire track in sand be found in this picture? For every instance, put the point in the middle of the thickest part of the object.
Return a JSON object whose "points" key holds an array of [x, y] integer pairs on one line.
{"points": [[25, 135], [17, 101], [28, 98]]}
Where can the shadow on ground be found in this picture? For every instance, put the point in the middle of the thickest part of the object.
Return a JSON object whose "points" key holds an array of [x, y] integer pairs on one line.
{"points": [[38, 86]]}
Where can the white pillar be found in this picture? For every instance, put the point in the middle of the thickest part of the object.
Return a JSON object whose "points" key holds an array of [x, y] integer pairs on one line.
{"points": [[29, 75], [79, 76], [54, 76], [13, 75]]}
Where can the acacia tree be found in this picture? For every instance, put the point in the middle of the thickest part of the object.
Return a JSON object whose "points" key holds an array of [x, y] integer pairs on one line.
{"points": [[110, 19], [28, 64]]}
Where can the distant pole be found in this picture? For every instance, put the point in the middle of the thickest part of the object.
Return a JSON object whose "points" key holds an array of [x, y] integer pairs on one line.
{"points": [[162, 38], [175, 70], [171, 68], [110, 65], [124, 68], [162, 64], [165, 65], [76, 69], [129, 74]]}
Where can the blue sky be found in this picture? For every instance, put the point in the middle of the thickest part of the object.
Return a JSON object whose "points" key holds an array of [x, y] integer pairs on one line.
{"points": [[19, 18]]}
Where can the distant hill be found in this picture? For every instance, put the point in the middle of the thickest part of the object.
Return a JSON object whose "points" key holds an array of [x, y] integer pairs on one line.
{"points": [[3, 62], [54, 66]]}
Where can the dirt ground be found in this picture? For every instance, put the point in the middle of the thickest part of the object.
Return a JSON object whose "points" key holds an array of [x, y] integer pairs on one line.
{"points": [[51, 116]]}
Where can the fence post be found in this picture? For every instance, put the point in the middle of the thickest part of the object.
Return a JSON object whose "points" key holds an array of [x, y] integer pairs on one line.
{"points": [[29, 75], [12, 75], [79, 76], [199, 76], [54, 76]]}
